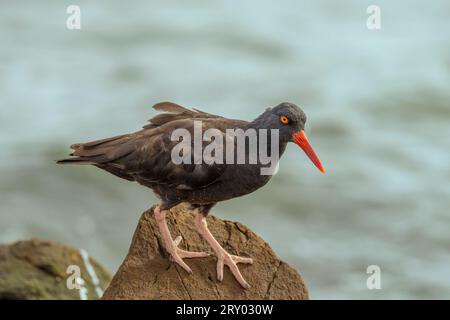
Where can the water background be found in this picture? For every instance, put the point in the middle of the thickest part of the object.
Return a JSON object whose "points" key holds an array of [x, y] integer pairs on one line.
{"points": [[378, 104]]}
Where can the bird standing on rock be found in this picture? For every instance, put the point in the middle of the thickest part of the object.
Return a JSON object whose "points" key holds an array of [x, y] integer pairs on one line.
{"points": [[146, 156]]}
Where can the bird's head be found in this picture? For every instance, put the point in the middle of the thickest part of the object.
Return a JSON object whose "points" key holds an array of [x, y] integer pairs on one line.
{"points": [[290, 120]]}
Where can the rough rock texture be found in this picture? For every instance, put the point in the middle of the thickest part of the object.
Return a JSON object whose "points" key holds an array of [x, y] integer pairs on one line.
{"points": [[147, 273], [36, 269]]}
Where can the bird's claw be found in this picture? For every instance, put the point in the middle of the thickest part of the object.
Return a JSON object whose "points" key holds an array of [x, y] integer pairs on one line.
{"points": [[231, 261]]}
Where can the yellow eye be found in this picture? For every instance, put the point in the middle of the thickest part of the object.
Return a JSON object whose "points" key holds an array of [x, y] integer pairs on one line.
{"points": [[284, 120]]}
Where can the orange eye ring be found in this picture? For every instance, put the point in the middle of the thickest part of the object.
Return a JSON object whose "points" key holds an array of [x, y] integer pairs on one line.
{"points": [[284, 120]]}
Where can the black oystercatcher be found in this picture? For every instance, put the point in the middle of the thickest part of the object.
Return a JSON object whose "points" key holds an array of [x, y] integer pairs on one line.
{"points": [[146, 156]]}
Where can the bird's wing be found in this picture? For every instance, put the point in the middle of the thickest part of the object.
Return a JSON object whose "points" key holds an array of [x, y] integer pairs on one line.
{"points": [[145, 155], [175, 112]]}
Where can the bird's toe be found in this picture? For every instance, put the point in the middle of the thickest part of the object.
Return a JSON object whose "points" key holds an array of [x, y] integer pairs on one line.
{"points": [[177, 259], [239, 259], [192, 254], [231, 261]]}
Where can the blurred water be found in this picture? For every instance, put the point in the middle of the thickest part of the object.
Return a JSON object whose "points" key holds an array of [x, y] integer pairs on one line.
{"points": [[378, 104]]}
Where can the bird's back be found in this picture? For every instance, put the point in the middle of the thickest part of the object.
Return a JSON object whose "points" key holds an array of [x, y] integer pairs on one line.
{"points": [[145, 156]]}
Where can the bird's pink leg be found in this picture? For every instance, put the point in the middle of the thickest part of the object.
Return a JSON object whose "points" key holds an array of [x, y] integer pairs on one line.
{"points": [[171, 246], [223, 257]]}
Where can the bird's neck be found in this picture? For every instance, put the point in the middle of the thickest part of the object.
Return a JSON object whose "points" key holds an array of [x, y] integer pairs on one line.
{"points": [[261, 122]]}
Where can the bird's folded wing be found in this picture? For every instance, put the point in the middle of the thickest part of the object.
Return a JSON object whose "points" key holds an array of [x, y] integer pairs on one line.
{"points": [[146, 155]]}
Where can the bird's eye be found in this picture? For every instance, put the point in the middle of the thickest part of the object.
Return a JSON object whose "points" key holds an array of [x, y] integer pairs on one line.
{"points": [[284, 120]]}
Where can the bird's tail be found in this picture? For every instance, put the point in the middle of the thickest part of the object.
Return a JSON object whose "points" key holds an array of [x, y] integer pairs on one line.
{"points": [[102, 154], [96, 152], [74, 161]]}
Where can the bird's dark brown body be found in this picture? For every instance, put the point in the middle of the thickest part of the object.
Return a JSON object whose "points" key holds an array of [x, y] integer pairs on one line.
{"points": [[147, 157]]}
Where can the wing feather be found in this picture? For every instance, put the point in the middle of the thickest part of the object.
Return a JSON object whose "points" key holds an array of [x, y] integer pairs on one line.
{"points": [[145, 156]]}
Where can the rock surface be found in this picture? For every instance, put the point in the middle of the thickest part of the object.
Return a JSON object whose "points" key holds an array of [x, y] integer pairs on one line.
{"points": [[147, 273], [37, 269]]}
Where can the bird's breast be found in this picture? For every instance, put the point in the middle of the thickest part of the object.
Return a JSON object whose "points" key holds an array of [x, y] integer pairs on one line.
{"points": [[237, 181]]}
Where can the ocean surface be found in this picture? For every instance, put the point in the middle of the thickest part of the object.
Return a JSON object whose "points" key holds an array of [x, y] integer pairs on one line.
{"points": [[378, 106]]}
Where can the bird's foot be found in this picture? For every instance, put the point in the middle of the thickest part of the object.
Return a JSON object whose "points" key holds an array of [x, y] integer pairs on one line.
{"points": [[224, 258], [176, 254]]}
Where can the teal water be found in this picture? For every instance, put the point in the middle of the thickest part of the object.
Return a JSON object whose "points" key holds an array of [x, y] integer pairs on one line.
{"points": [[378, 104]]}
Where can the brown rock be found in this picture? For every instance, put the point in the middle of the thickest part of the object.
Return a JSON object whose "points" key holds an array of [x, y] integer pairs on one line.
{"points": [[147, 273], [37, 269]]}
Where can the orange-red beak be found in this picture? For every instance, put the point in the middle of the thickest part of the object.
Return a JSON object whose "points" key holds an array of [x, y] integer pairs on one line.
{"points": [[302, 141]]}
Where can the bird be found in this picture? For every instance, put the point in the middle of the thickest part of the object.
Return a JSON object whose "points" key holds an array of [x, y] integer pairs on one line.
{"points": [[146, 157]]}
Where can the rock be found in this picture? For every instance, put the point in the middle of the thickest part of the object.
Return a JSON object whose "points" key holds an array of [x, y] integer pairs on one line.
{"points": [[37, 269], [147, 273]]}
